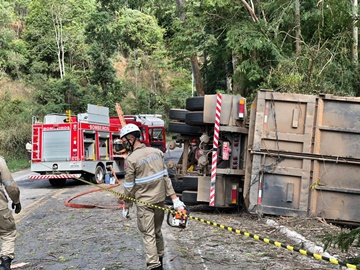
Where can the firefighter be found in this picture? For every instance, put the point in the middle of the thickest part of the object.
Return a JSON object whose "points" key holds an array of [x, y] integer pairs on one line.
{"points": [[146, 180], [7, 222]]}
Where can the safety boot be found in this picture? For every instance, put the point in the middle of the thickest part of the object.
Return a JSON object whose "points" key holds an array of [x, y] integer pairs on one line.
{"points": [[5, 263], [158, 268]]}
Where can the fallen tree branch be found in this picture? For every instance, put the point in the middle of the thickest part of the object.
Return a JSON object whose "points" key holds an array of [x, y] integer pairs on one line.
{"points": [[299, 239]]}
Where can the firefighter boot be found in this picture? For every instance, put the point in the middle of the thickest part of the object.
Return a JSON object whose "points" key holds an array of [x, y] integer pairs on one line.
{"points": [[5, 263], [158, 268]]}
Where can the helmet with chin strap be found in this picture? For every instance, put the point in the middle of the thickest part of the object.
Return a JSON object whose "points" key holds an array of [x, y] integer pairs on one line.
{"points": [[128, 129]]}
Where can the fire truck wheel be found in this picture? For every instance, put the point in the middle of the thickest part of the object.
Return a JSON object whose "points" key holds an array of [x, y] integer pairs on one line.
{"points": [[98, 177], [194, 118], [184, 129], [57, 182], [177, 114], [195, 103], [190, 183]]}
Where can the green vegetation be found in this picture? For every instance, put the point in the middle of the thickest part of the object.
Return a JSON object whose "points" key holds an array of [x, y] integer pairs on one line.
{"points": [[150, 56], [18, 163], [344, 240]]}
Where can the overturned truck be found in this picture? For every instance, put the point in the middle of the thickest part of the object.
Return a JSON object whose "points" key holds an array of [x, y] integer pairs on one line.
{"points": [[292, 155]]}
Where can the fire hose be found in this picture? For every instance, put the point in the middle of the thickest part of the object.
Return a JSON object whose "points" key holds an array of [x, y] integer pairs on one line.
{"points": [[77, 205], [186, 215]]}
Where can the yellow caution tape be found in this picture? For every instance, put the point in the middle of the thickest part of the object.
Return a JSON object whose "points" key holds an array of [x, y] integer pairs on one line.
{"points": [[237, 231]]}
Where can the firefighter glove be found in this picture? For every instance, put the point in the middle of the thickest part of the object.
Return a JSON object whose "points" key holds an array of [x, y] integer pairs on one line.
{"points": [[125, 213], [178, 205], [17, 207]]}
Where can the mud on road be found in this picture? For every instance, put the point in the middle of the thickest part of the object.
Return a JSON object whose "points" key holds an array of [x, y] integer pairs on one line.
{"points": [[52, 236]]}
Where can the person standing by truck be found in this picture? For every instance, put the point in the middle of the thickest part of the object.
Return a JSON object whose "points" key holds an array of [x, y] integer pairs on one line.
{"points": [[7, 222], [146, 180], [29, 149]]}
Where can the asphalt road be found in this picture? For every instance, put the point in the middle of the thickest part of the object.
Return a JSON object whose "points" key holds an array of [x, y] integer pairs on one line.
{"points": [[33, 190], [54, 236]]}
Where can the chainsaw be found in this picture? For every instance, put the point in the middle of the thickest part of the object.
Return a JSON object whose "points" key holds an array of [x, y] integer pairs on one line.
{"points": [[178, 219]]}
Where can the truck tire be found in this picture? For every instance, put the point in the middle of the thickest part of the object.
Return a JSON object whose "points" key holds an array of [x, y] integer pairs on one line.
{"points": [[184, 129], [57, 182], [98, 177], [194, 119], [177, 114], [190, 183], [189, 197], [177, 185], [195, 104]]}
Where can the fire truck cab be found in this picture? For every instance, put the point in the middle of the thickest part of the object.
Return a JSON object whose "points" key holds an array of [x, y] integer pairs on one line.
{"points": [[86, 145]]}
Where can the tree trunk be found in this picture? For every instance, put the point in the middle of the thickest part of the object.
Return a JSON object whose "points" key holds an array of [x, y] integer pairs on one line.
{"points": [[181, 7], [59, 43], [62, 48], [197, 75], [355, 33], [238, 77], [180, 4], [205, 70], [229, 71], [251, 9], [297, 27]]}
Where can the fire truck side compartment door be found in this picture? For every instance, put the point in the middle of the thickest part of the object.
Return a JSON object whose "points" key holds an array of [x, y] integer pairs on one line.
{"points": [[56, 145]]}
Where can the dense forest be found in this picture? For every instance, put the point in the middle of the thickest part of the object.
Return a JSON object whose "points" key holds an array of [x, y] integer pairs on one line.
{"points": [[57, 55]]}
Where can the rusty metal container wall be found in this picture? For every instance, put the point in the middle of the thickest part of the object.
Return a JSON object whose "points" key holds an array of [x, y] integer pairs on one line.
{"points": [[336, 182], [283, 121], [336, 191], [283, 124], [338, 128], [340, 112], [304, 156]]}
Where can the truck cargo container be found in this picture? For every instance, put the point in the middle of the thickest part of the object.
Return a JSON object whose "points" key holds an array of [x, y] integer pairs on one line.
{"points": [[292, 155]]}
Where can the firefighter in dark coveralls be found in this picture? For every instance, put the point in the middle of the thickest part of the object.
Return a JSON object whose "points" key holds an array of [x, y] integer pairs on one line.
{"points": [[146, 179], [7, 222]]}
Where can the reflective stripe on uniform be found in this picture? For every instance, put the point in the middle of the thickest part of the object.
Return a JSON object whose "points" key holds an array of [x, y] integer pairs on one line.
{"points": [[128, 184], [150, 177], [146, 179]]}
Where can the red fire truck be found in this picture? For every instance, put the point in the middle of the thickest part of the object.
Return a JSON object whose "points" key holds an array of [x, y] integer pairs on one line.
{"points": [[86, 145]]}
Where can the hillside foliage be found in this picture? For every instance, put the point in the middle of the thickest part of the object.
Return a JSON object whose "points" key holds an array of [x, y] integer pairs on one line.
{"points": [[57, 55]]}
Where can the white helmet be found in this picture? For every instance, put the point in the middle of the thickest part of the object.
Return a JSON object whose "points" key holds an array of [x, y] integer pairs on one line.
{"points": [[127, 129]]}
